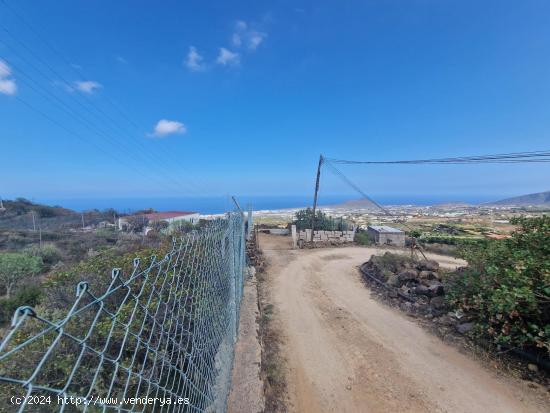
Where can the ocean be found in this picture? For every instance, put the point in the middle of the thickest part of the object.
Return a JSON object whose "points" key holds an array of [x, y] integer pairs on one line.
{"points": [[220, 204]]}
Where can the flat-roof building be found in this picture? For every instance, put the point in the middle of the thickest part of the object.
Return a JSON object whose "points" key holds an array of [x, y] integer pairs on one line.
{"points": [[385, 235]]}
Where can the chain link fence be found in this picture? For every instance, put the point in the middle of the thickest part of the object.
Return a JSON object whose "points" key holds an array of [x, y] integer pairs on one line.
{"points": [[159, 338]]}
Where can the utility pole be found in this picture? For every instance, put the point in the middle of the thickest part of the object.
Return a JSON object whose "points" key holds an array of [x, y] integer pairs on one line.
{"points": [[237, 205], [315, 196], [33, 222], [82, 216], [40, 236]]}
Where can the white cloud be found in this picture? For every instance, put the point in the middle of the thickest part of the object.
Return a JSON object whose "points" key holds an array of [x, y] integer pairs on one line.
{"points": [[227, 57], [8, 86], [5, 70], [194, 60], [121, 60], [87, 86], [241, 25], [166, 127], [245, 34], [7, 83], [255, 39], [236, 39]]}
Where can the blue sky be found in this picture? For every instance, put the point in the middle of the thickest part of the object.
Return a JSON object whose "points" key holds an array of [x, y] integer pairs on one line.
{"points": [[201, 98]]}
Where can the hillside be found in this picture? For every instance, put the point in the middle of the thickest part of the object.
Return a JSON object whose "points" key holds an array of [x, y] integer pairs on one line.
{"points": [[18, 215], [539, 199], [357, 203]]}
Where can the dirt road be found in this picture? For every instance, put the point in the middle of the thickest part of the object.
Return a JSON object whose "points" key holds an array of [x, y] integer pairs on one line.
{"points": [[346, 352]]}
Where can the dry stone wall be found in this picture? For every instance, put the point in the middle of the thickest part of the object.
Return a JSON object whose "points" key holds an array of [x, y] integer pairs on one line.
{"points": [[327, 236]]}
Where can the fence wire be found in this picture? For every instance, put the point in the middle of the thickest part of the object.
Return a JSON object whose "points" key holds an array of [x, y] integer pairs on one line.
{"points": [[160, 338]]}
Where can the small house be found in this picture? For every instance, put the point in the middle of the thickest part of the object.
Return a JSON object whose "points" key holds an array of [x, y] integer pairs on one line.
{"points": [[385, 235]]}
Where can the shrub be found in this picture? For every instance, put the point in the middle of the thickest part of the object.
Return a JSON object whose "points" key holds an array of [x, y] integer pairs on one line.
{"points": [[322, 221], [392, 262], [507, 286], [15, 266], [362, 238], [27, 295], [49, 253]]}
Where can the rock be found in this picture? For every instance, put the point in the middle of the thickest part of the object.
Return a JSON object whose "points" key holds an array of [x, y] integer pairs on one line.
{"points": [[435, 287], [393, 280], [421, 290], [423, 309], [429, 265], [392, 293], [446, 320], [438, 302], [464, 327], [407, 275], [405, 290], [428, 275], [406, 306], [533, 367]]}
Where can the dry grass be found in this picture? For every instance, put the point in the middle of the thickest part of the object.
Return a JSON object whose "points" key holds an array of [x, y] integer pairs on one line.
{"points": [[272, 368]]}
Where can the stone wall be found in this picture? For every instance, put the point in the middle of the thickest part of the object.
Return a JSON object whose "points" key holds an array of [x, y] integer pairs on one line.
{"points": [[327, 236]]}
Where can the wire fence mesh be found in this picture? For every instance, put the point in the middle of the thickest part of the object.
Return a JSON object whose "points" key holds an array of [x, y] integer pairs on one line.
{"points": [[160, 338]]}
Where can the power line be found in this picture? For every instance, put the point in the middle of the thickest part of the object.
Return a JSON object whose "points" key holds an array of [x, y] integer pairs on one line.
{"points": [[513, 157], [79, 73], [344, 178], [83, 139], [87, 122], [337, 172], [44, 93]]}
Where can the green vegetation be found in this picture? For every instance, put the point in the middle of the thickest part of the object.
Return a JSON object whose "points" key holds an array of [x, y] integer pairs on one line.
{"points": [[15, 267], [506, 286], [362, 238], [322, 221], [57, 294], [452, 240], [26, 295], [22, 214]]}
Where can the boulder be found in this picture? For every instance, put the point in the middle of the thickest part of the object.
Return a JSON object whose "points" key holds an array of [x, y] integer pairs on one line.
{"points": [[421, 290], [438, 302], [464, 327], [533, 367], [435, 288], [429, 265], [407, 275], [446, 320], [405, 290], [428, 275]]}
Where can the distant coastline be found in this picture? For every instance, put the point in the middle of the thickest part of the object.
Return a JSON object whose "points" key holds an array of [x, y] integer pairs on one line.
{"points": [[216, 205]]}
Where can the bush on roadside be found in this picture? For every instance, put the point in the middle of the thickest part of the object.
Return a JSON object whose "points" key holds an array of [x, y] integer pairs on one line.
{"points": [[506, 286], [362, 238]]}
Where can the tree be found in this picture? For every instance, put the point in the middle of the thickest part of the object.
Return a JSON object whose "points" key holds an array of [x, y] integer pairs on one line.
{"points": [[322, 221], [16, 266]]}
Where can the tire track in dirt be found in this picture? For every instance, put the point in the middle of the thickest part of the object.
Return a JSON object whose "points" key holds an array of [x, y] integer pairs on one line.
{"points": [[346, 352]]}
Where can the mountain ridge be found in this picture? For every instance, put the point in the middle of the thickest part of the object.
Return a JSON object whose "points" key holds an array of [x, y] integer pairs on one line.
{"points": [[538, 198]]}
